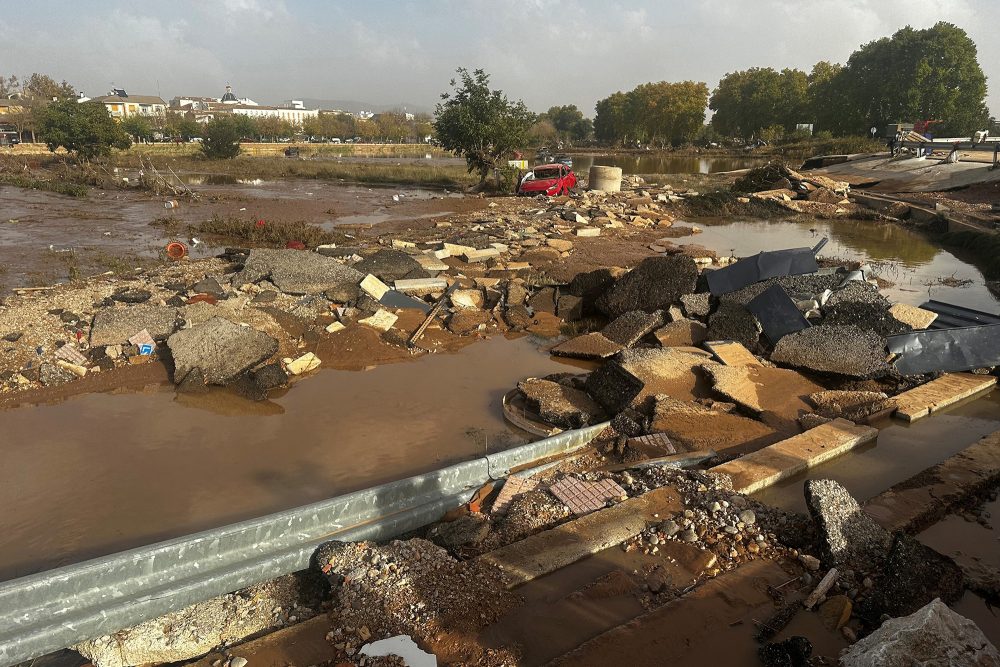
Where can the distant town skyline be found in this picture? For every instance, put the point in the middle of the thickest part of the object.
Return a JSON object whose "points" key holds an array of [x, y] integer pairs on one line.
{"points": [[387, 54]]}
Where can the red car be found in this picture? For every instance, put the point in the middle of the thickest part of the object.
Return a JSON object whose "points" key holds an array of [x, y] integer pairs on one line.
{"points": [[547, 179]]}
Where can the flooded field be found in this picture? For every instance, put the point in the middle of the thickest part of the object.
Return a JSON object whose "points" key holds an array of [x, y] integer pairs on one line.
{"points": [[106, 472]]}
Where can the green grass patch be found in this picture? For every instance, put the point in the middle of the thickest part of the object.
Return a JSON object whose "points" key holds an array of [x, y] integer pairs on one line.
{"points": [[276, 233], [59, 187]]}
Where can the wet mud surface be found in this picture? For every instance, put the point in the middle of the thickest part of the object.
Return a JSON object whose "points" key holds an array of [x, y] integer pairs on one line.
{"points": [[106, 472], [43, 234]]}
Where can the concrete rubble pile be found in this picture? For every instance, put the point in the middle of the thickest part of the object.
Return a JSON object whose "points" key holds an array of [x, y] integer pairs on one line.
{"points": [[814, 194]]}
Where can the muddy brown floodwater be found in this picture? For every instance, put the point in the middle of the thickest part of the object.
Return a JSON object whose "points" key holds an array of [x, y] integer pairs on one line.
{"points": [[99, 473]]}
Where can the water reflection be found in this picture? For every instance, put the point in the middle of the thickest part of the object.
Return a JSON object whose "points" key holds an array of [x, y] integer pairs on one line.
{"points": [[663, 164], [904, 257]]}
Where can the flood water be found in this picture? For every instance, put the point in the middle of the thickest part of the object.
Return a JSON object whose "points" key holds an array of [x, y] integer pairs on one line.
{"points": [[662, 164], [99, 473], [906, 258], [901, 451]]}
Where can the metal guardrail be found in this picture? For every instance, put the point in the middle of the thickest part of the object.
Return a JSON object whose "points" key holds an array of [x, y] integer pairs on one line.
{"points": [[51, 610], [987, 147]]}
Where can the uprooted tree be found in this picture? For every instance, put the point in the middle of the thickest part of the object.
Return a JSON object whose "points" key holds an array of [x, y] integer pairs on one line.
{"points": [[83, 129], [480, 124]]}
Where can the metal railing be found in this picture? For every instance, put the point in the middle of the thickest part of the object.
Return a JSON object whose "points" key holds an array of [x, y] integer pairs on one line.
{"points": [[51, 610]]}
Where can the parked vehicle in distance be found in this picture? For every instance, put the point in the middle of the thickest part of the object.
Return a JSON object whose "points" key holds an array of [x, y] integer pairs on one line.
{"points": [[563, 159], [548, 179], [335, 140], [9, 136]]}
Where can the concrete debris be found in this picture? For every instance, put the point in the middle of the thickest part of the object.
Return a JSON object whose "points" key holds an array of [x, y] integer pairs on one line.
{"points": [[196, 630], [374, 287], [853, 405], [848, 535], [915, 318], [466, 320], [932, 635], [841, 350], [655, 284], [682, 333], [694, 427], [697, 305], [630, 328], [732, 321], [421, 286], [307, 362], [543, 301], [641, 373], [588, 346], [390, 266], [857, 292], [467, 298], [382, 320], [468, 530], [115, 325], [295, 271], [219, 349], [866, 316], [560, 405]]}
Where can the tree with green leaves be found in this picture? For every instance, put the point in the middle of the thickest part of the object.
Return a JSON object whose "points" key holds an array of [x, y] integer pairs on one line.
{"points": [[480, 124], [138, 127], [931, 74], [85, 130], [570, 123], [179, 126], [611, 123], [661, 112], [746, 102], [221, 139]]}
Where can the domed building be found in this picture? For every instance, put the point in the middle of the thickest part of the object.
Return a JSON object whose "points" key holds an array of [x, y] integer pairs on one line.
{"points": [[229, 98]]}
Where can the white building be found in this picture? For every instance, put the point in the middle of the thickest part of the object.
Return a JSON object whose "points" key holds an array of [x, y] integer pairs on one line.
{"points": [[294, 116], [122, 105]]}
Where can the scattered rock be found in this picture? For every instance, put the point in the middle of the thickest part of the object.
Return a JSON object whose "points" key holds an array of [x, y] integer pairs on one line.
{"points": [[933, 635], [848, 536], [209, 285], [113, 326], [467, 298], [588, 346], [390, 265], [220, 349], [560, 405], [836, 612], [132, 296], [466, 320], [732, 321], [296, 272], [569, 307], [655, 284], [630, 328], [697, 305]]}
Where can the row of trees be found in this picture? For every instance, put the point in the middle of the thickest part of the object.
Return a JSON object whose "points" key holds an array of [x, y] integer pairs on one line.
{"points": [[653, 112], [931, 74]]}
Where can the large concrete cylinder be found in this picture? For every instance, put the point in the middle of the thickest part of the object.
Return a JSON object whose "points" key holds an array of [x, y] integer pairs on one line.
{"points": [[605, 179]]}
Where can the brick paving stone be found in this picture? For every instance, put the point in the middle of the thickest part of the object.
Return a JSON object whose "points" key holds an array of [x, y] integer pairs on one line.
{"points": [[657, 440], [583, 497]]}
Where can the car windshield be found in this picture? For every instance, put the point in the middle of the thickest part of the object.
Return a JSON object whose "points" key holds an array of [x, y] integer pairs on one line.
{"points": [[543, 174]]}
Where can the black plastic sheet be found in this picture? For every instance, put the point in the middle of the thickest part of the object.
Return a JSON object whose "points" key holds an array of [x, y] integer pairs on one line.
{"points": [[777, 313], [768, 264]]}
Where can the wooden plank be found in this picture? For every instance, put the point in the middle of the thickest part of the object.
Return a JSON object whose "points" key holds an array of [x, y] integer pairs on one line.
{"points": [[938, 394], [564, 545], [731, 353], [767, 466]]}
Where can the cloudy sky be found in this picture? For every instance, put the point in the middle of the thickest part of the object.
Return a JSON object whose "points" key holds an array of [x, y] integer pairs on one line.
{"points": [[384, 52]]}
